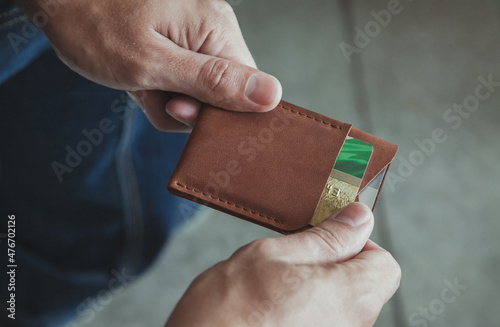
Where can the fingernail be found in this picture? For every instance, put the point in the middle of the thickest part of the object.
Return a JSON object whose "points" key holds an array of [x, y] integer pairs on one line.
{"points": [[261, 89], [184, 113], [355, 214]]}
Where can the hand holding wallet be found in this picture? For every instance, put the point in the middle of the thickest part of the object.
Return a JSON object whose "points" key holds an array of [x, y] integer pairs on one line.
{"points": [[272, 168]]}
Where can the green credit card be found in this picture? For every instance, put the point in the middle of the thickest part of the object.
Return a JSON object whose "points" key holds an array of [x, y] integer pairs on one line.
{"points": [[345, 179]]}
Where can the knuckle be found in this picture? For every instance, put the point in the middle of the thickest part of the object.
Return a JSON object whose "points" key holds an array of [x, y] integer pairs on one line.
{"points": [[391, 265], [225, 9], [261, 247], [217, 275], [334, 242], [256, 250], [226, 269], [214, 75], [395, 268]]}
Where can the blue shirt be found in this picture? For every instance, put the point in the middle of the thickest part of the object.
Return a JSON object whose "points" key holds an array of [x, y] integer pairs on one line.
{"points": [[20, 40]]}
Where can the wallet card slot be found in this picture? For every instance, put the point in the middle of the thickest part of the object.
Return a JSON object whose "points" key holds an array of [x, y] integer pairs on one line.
{"points": [[383, 154]]}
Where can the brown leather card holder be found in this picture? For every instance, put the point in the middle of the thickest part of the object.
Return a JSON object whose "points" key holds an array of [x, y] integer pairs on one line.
{"points": [[268, 168]]}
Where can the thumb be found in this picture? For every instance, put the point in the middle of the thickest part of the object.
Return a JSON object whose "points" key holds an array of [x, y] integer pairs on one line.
{"points": [[337, 239], [221, 82]]}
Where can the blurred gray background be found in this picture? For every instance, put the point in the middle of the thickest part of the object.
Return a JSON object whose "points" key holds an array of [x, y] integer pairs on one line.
{"points": [[439, 210]]}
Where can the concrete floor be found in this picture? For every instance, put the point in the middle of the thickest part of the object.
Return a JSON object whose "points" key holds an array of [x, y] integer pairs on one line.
{"points": [[438, 215]]}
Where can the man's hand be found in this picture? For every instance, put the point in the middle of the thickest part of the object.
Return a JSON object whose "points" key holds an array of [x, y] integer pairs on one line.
{"points": [[329, 275], [171, 55]]}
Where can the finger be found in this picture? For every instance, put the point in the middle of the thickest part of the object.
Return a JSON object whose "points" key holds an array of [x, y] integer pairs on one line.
{"points": [[153, 104], [335, 240], [377, 268], [214, 31], [235, 50], [228, 43], [217, 81], [366, 283], [184, 109]]}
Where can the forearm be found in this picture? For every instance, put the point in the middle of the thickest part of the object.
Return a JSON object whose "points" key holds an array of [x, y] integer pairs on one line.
{"points": [[170, 55]]}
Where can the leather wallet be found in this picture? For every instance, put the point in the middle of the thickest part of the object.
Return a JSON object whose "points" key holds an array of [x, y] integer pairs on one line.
{"points": [[268, 168]]}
